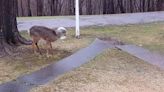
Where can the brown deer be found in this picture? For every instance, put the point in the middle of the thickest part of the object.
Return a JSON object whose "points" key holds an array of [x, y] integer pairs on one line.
{"points": [[47, 34]]}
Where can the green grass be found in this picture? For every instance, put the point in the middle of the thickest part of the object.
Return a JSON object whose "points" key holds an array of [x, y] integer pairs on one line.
{"points": [[150, 36]]}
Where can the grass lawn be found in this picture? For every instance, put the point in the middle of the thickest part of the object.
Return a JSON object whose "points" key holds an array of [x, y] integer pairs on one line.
{"points": [[114, 70], [42, 18], [150, 36]]}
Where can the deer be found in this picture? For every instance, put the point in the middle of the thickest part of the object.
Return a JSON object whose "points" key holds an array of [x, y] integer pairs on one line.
{"points": [[49, 35]]}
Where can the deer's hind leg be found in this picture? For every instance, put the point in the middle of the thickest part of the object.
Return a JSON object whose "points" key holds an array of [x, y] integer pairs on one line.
{"points": [[38, 48], [51, 48], [35, 45]]}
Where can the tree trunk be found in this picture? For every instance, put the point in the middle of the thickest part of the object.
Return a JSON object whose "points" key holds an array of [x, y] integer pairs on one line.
{"points": [[9, 34]]}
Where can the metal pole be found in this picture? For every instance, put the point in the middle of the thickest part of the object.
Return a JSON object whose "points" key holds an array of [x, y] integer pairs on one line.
{"points": [[77, 19]]}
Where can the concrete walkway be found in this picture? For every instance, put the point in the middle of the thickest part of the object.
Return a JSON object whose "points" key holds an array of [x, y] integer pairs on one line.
{"points": [[144, 54], [99, 20]]}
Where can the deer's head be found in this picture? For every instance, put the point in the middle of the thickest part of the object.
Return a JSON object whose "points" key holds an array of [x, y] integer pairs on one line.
{"points": [[61, 32]]}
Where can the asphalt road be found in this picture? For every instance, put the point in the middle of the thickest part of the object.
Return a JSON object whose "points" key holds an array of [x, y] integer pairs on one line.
{"points": [[99, 20]]}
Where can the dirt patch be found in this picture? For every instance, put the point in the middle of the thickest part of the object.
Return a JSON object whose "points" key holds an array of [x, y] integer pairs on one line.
{"points": [[112, 41]]}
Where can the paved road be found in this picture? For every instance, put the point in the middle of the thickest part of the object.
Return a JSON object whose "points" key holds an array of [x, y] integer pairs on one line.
{"points": [[100, 20]]}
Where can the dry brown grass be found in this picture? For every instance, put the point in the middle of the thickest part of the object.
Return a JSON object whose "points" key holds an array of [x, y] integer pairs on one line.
{"points": [[112, 71], [151, 36], [26, 61]]}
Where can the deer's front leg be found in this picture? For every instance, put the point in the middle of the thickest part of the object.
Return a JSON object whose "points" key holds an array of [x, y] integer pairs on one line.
{"points": [[48, 46], [34, 47]]}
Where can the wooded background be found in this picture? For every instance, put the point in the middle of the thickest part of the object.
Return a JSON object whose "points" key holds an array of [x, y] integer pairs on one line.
{"points": [[87, 7]]}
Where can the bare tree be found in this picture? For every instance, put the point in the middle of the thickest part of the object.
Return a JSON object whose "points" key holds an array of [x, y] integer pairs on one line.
{"points": [[87, 7]]}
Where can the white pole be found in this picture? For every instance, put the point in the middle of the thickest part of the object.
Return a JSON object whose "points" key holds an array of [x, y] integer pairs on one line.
{"points": [[77, 19]]}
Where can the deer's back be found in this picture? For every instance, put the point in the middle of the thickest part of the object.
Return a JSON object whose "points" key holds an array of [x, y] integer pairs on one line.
{"points": [[43, 32]]}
